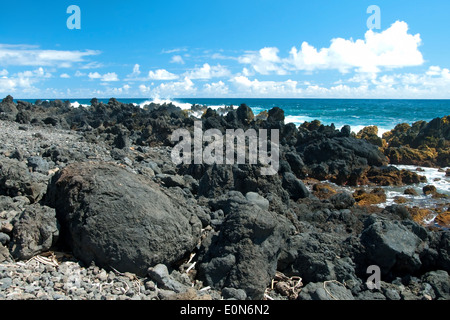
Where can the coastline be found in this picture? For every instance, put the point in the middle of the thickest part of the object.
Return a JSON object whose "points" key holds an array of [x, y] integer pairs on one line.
{"points": [[50, 143]]}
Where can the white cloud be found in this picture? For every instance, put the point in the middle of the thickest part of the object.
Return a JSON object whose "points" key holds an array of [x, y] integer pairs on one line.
{"points": [[136, 72], [38, 73], [215, 89], [23, 81], [110, 76], [391, 48], [246, 72], [161, 74], [8, 85], [144, 89], [265, 61], [177, 59], [258, 88], [208, 72], [107, 77], [79, 74], [26, 55], [437, 71], [4, 73], [94, 75], [65, 76], [184, 87]]}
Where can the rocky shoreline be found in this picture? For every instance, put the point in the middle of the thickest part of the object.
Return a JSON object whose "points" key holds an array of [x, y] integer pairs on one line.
{"points": [[93, 208]]}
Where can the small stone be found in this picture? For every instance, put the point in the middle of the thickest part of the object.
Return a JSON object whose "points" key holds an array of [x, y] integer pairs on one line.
{"points": [[102, 276], [6, 227], [5, 283], [4, 238], [410, 191], [430, 189]]}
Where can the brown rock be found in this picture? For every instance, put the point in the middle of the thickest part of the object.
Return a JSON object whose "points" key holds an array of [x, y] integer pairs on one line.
{"points": [[400, 199], [443, 219], [376, 196], [323, 190], [430, 189], [419, 215], [410, 191]]}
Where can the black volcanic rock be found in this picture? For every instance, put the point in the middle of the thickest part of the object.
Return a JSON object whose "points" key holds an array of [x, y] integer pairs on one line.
{"points": [[294, 186], [35, 231], [118, 219], [243, 254], [276, 114], [8, 107]]}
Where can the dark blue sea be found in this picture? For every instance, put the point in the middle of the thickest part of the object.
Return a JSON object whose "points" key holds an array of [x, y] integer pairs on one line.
{"points": [[385, 114]]}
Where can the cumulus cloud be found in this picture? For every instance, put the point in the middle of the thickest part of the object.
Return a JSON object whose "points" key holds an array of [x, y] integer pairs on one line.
{"points": [[215, 89], [94, 75], [107, 77], [392, 48], [144, 89], [161, 74], [265, 88], [389, 49], [64, 76], [183, 87], [23, 81], [208, 72], [110, 76], [136, 71], [265, 61]]}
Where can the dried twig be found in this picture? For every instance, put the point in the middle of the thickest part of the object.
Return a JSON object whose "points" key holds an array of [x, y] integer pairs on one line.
{"points": [[325, 287]]}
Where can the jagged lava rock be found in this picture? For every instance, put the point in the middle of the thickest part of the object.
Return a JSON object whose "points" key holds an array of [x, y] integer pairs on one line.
{"points": [[243, 254], [119, 219], [35, 230]]}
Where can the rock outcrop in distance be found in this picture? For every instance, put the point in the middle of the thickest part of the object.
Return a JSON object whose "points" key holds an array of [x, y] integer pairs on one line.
{"points": [[422, 143]]}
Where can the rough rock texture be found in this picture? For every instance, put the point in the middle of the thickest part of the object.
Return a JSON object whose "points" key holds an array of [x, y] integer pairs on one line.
{"points": [[422, 143], [35, 230], [118, 219], [317, 257], [16, 180], [391, 246], [243, 254]]}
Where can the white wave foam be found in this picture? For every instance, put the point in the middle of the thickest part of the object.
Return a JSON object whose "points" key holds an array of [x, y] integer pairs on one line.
{"points": [[297, 120], [433, 175], [182, 105], [76, 104], [381, 130]]}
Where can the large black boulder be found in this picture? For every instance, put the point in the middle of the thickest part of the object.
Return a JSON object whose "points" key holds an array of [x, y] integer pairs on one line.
{"points": [[119, 219], [391, 246]]}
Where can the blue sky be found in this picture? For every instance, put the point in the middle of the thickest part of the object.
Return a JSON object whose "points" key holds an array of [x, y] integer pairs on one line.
{"points": [[246, 48]]}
